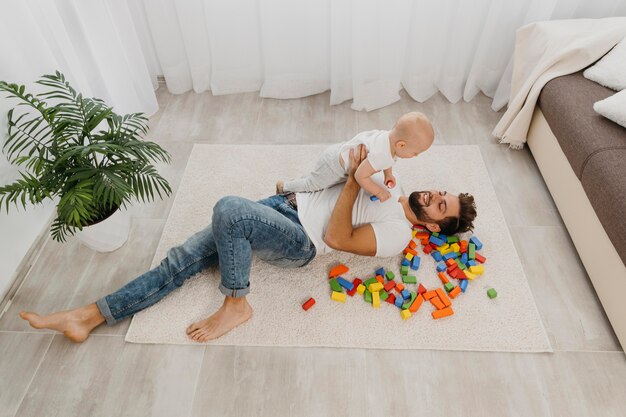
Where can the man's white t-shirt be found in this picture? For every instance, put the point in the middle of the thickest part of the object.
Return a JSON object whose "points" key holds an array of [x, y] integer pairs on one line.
{"points": [[378, 148], [391, 227]]}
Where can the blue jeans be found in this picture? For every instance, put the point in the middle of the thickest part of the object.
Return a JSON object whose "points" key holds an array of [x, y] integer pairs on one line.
{"points": [[270, 228]]}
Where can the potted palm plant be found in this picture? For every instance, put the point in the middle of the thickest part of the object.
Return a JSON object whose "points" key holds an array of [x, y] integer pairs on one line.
{"points": [[77, 150]]}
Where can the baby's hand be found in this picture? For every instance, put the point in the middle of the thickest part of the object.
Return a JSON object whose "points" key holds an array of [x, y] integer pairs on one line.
{"points": [[383, 196], [390, 181]]}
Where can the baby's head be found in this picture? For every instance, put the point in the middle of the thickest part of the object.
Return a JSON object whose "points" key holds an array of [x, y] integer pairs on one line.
{"points": [[411, 135]]}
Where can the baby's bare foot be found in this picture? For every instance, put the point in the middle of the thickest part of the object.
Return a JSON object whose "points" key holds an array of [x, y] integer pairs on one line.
{"points": [[280, 186], [74, 324], [232, 313]]}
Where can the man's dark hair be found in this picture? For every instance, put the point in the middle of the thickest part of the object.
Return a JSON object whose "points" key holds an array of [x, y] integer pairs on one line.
{"points": [[451, 224]]}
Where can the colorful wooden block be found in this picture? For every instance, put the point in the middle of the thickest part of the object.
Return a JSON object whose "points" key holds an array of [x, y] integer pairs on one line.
{"points": [[436, 256], [391, 299], [429, 294], [405, 262], [404, 270], [443, 297], [380, 271], [441, 267], [370, 281], [309, 303], [399, 301], [460, 264], [464, 258], [334, 284], [409, 279], [412, 244], [389, 286], [445, 251], [452, 239], [383, 295], [437, 303], [478, 269], [345, 284], [409, 301], [375, 287], [469, 275], [399, 287], [409, 257], [406, 314], [472, 251], [434, 239], [492, 293], [451, 255], [338, 296], [415, 264], [405, 294], [442, 313], [471, 263], [416, 303], [360, 289], [380, 279], [367, 296], [376, 299], [463, 284], [455, 291], [480, 258], [455, 247], [444, 279], [390, 275], [421, 289], [338, 270], [449, 286], [477, 243], [355, 284]]}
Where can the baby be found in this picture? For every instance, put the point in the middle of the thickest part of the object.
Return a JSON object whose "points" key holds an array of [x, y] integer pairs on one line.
{"points": [[411, 135]]}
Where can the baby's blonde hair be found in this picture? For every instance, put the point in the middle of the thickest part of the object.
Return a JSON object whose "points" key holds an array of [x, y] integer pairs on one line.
{"points": [[414, 125]]}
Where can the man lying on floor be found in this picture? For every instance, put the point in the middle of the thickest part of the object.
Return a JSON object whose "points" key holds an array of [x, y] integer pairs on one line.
{"points": [[283, 230]]}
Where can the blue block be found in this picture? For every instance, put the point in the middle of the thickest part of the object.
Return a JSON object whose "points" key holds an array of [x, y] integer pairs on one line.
{"points": [[380, 271], [436, 256], [346, 284], [399, 301], [406, 294], [464, 258], [405, 262], [476, 242], [471, 263], [415, 264], [463, 284], [436, 240], [373, 198], [450, 255], [443, 237], [441, 267]]}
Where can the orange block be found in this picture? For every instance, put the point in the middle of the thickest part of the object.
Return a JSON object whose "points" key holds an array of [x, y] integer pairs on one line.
{"points": [[437, 303], [422, 235], [450, 262], [444, 298], [338, 270], [429, 294], [416, 303], [443, 278], [442, 313], [412, 244], [399, 287], [455, 291], [411, 251], [380, 279]]}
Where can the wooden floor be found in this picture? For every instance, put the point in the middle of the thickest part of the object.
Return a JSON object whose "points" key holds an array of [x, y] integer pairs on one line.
{"points": [[45, 375]]}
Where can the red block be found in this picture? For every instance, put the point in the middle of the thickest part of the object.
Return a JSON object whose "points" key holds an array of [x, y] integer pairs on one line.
{"points": [[412, 244], [421, 289], [356, 283], [427, 249], [391, 299], [480, 258], [390, 285], [308, 304]]}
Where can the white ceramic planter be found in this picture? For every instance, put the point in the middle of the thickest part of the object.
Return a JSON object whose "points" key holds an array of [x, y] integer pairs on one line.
{"points": [[109, 234]]}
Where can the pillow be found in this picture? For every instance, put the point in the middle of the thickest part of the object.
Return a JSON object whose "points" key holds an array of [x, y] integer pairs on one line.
{"points": [[610, 71], [613, 108]]}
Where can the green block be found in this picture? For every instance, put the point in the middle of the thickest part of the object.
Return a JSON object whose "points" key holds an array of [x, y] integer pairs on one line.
{"points": [[404, 270], [492, 293], [409, 279], [370, 281], [390, 275], [472, 251], [335, 285], [453, 239], [383, 295], [460, 264], [436, 234], [406, 305], [449, 286], [368, 296]]}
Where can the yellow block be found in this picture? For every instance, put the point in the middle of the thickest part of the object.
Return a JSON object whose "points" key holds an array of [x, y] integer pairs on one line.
{"points": [[414, 233], [405, 314], [409, 256], [375, 287], [469, 275], [444, 247], [338, 296], [375, 299], [455, 247], [360, 289], [477, 269], [445, 251]]}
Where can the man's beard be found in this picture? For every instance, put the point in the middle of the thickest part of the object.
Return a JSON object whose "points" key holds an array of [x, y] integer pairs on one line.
{"points": [[417, 207]]}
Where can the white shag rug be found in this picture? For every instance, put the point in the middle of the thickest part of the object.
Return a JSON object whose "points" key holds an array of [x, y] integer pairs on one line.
{"points": [[509, 322]]}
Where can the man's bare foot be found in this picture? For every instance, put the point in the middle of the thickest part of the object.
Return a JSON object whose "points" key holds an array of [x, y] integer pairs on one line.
{"points": [[74, 324], [280, 187], [231, 314]]}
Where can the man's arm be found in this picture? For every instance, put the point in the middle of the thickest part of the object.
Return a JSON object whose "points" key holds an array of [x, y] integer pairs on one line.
{"points": [[340, 234]]}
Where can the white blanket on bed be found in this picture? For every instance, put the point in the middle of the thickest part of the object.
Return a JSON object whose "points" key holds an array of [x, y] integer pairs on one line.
{"points": [[546, 50]]}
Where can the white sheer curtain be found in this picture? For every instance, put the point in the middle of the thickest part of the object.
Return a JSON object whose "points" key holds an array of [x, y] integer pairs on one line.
{"points": [[362, 50]]}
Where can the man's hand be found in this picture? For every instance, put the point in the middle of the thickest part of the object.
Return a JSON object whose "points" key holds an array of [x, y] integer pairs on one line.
{"points": [[356, 159]]}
